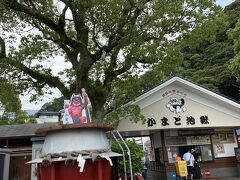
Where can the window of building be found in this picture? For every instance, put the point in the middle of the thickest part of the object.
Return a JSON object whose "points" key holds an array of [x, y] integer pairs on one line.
{"points": [[172, 151], [224, 143], [205, 153]]}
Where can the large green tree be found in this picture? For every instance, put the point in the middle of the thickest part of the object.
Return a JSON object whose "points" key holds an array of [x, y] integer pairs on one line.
{"points": [[108, 43], [10, 105], [234, 34], [208, 64], [9, 99], [9, 95]]}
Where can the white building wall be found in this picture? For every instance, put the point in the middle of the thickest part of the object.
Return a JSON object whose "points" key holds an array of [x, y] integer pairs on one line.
{"points": [[47, 119]]}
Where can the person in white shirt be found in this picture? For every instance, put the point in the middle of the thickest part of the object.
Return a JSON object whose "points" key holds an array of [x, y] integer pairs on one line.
{"points": [[189, 158]]}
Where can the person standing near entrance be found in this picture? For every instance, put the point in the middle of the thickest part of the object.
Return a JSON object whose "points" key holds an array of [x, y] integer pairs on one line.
{"points": [[189, 158], [146, 164], [197, 170], [177, 157]]}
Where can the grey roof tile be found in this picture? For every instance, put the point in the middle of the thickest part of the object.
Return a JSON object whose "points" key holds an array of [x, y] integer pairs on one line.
{"points": [[21, 130]]}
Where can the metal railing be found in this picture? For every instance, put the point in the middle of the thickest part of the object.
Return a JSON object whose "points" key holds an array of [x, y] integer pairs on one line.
{"points": [[124, 158]]}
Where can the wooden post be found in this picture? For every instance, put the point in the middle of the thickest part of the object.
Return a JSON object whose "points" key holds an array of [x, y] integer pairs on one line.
{"points": [[100, 169], [7, 143]]}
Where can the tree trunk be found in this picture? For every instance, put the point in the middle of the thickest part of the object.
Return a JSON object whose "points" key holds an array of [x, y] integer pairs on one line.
{"points": [[98, 101]]}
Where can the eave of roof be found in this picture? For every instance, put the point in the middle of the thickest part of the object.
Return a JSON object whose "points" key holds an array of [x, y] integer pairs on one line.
{"points": [[188, 83], [21, 130]]}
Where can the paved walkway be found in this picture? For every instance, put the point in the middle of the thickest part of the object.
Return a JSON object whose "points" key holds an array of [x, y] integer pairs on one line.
{"points": [[219, 178], [228, 178]]}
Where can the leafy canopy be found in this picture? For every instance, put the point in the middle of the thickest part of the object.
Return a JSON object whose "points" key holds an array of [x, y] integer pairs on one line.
{"points": [[9, 99], [208, 63], [18, 117], [235, 35], [115, 48]]}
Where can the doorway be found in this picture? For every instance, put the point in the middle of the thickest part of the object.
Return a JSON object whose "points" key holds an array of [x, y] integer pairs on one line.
{"points": [[184, 149]]}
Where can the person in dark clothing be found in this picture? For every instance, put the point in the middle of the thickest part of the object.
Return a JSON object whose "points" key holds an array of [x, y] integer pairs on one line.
{"points": [[196, 155], [197, 171], [146, 164]]}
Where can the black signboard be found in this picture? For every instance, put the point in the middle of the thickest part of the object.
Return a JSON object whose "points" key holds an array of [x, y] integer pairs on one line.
{"points": [[195, 133], [176, 140]]}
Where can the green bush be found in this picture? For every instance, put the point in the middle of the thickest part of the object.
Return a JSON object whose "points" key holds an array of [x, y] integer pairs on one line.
{"points": [[136, 156]]}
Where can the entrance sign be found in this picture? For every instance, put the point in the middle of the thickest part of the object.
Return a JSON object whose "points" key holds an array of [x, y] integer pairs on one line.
{"points": [[177, 120], [176, 140], [177, 106], [200, 140]]}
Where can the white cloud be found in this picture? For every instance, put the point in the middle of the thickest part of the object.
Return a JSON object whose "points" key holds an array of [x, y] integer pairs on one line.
{"points": [[26, 104]]}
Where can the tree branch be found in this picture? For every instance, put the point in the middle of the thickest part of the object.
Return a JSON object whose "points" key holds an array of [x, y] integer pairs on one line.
{"points": [[61, 21], [81, 29], [111, 73], [13, 4], [116, 36], [32, 4], [52, 81], [70, 53]]}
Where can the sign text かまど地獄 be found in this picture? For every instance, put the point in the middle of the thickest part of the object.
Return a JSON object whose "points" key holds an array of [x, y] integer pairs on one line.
{"points": [[177, 121]]}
